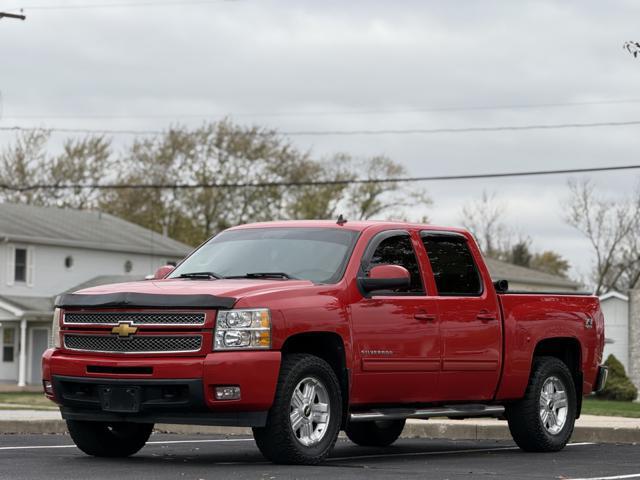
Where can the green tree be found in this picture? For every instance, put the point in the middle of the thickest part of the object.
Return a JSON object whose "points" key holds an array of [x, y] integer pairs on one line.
{"points": [[222, 154], [550, 262], [618, 386], [520, 253], [27, 162]]}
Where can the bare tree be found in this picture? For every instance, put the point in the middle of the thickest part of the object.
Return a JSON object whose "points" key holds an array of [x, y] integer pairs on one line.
{"points": [[611, 227], [483, 218]]}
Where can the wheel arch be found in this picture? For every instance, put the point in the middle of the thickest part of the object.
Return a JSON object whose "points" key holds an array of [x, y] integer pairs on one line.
{"points": [[569, 351], [328, 346]]}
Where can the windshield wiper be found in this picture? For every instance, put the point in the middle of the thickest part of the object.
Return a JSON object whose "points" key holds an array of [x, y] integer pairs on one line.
{"points": [[209, 275], [280, 275]]}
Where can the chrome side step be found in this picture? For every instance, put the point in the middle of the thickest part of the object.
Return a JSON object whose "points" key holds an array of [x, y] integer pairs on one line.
{"points": [[451, 411]]}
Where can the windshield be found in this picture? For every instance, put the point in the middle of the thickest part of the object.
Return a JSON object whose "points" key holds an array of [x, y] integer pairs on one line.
{"points": [[316, 254]]}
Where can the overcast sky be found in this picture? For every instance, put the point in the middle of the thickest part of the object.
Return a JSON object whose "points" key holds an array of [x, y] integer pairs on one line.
{"points": [[338, 65]]}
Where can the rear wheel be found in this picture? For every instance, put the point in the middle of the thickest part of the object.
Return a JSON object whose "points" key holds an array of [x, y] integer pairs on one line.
{"points": [[379, 433], [109, 439], [304, 421], [543, 420]]}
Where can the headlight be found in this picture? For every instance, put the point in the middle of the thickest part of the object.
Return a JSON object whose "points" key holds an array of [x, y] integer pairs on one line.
{"points": [[243, 329], [55, 329]]}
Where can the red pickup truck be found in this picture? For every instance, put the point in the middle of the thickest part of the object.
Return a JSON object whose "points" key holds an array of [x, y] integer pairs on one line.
{"points": [[302, 329]]}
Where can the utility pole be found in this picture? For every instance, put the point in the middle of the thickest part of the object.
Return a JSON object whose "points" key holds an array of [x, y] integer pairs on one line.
{"points": [[12, 15]]}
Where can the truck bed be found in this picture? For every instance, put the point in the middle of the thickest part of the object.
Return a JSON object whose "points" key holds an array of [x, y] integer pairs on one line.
{"points": [[530, 318]]}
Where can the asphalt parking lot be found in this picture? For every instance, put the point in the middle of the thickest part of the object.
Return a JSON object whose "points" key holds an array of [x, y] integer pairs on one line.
{"points": [[208, 457]]}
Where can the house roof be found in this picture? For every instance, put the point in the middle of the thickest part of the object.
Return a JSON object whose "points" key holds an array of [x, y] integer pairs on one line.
{"points": [[29, 304], [105, 280], [500, 270], [82, 229], [614, 294]]}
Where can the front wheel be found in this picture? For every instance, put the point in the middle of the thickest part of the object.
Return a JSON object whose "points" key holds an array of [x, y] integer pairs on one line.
{"points": [[379, 433], [305, 418], [109, 439], [543, 420]]}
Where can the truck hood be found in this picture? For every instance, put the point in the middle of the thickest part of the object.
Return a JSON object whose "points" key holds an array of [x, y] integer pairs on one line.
{"points": [[176, 293], [185, 286]]}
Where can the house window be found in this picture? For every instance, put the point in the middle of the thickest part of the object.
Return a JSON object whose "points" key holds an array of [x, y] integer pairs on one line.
{"points": [[8, 343], [20, 265]]}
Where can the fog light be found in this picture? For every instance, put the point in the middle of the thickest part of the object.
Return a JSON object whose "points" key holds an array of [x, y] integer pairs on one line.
{"points": [[48, 387], [228, 392]]}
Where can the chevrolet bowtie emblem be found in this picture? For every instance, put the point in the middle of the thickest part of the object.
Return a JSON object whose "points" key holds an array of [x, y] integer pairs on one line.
{"points": [[124, 330]]}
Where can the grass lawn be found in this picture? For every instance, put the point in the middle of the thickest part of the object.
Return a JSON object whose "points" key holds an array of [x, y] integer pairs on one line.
{"points": [[592, 406], [22, 400]]}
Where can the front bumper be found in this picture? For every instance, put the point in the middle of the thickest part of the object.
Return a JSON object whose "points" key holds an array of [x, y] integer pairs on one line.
{"points": [[171, 389], [601, 378]]}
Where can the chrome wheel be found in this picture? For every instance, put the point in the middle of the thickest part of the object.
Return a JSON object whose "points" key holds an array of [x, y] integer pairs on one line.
{"points": [[554, 405], [309, 411]]}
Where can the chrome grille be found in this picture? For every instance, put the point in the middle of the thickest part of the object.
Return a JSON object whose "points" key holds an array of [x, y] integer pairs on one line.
{"points": [[136, 344], [113, 318]]}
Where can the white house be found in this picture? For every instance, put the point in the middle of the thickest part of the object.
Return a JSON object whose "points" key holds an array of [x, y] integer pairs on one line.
{"points": [[47, 251], [615, 307]]}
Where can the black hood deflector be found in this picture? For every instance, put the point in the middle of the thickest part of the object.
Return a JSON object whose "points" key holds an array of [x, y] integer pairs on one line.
{"points": [[142, 300]]}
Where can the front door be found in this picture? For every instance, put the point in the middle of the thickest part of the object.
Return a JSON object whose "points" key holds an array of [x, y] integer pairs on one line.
{"points": [[39, 343], [470, 323], [395, 333]]}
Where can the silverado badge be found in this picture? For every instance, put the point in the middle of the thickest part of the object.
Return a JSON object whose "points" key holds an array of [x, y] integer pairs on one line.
{"points": [[124, 329]]}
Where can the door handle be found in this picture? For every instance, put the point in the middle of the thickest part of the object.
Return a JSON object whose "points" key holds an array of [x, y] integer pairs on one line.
{"points": [[486, 316], [425, 317]]}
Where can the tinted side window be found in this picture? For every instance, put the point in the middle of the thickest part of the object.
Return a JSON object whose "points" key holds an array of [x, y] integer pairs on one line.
{"points": [[453, 267], [398, 250]]}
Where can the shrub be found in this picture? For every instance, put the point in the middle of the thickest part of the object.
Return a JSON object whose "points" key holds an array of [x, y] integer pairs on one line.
{"points": [[618, 386]]}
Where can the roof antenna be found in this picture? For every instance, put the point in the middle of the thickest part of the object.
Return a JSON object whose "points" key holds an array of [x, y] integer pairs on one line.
{"points": [[341, 220]]}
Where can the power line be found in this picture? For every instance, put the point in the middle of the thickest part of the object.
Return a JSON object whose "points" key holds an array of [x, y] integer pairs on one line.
{"points": [[301, 113], [294, 133], [183, 186], [410, 131]]}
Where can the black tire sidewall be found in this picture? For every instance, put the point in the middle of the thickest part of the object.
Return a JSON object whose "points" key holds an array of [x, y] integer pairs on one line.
{"points": [[379, 433], [277, 440], [523, 416], [333, 389], [556, 370], [97, 439]]}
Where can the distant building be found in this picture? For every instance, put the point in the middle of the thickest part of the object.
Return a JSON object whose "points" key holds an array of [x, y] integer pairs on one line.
{"points": [[528, 279], [47, 251], [615, 307]]}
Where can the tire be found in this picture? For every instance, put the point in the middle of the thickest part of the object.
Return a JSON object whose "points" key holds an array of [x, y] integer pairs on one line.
{"points": [[104, 439], [290, 435], [380, 433], [544, 421]]}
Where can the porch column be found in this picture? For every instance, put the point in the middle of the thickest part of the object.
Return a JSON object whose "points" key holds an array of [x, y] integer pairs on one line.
{"points": [[22, 359]]}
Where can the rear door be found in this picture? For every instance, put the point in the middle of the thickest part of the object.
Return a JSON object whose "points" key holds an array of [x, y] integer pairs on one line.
{"points": [[395, 333], [470, 326]]}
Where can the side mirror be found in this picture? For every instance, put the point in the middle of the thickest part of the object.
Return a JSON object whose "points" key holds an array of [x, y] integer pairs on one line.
{"points": [[385, 277], [163, 271]]}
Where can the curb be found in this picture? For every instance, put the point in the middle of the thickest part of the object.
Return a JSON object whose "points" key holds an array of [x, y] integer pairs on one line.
{"points": [[432, 429]]}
